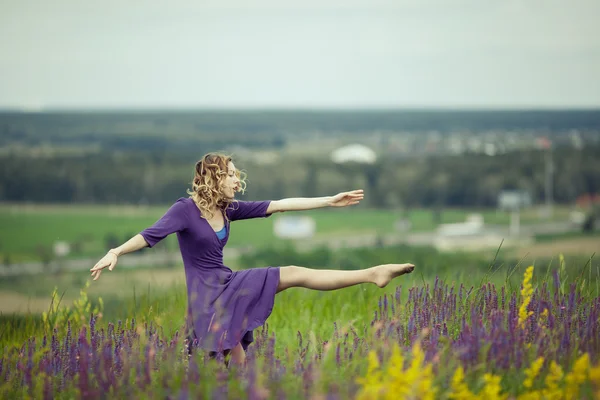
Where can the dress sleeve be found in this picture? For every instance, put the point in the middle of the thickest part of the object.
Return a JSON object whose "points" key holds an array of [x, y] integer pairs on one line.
{"points": [[248, 209], [174, 220]]}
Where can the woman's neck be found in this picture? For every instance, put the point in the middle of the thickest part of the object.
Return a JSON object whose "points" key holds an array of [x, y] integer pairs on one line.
{"points": [[215, 210]]}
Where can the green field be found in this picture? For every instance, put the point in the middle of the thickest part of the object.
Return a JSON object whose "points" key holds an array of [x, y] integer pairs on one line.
{"points": [[28, 232]]}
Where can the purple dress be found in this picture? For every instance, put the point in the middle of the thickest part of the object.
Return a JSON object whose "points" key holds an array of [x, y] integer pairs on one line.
{"points": [[224, 307]]}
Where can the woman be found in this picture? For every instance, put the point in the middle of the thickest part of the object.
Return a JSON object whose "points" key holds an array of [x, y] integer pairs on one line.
{"points": [[224, 307]]}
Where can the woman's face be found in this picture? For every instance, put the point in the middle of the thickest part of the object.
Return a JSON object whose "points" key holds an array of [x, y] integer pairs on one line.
{"points": [[232, 182]]}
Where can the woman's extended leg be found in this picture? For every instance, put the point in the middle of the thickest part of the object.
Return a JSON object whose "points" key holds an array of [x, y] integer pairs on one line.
{"points": [[238, 355], [327, 279]]}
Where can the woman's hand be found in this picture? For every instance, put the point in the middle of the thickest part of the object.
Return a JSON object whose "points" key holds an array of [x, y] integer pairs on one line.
{"points": [[109, 260], [347, 198]]}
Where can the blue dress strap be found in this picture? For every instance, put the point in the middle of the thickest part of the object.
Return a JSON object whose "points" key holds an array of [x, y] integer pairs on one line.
{"points": [[222, 233]]}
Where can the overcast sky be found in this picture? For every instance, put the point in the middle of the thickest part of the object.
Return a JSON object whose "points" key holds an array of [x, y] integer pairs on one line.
{"points": [[309, 53]]}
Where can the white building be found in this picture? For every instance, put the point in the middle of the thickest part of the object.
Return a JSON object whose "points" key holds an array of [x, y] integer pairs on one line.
{"points": [[514, 200], [354, 153]]}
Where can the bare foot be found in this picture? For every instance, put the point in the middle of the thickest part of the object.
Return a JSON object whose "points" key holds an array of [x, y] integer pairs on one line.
{"points": [[383, 274]]}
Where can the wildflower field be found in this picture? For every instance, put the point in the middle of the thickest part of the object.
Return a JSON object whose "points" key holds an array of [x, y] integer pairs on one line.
{"points": [[494, 333]]}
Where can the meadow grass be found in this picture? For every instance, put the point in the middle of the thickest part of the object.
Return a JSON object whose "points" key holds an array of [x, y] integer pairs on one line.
{"points": [[324, 342]]}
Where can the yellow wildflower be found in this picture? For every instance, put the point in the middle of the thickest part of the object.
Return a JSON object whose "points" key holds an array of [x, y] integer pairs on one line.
{"points": [[535, 395], [526, 293], [458, 388], [578, 375], [414, 382], [372, 384], [595, 379], [395, 368], [396, 376], [492, 389], [595, 375], [553, 378], [532, 372], [425, 387]]}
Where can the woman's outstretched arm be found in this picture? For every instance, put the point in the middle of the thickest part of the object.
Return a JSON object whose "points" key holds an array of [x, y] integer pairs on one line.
{"points": [[309, 203], [134, 244], [110, 259], [174, 220]]}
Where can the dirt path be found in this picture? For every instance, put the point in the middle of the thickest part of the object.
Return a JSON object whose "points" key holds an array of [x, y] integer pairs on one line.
{"points": [[574, 246], [12, 302]]}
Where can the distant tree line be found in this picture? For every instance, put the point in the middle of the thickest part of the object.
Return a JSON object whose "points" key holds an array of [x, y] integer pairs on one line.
{"points": [[143, 177], [202, 125]]}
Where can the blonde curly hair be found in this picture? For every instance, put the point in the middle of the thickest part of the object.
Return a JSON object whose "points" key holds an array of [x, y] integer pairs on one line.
{"points": [[207, 186]]}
